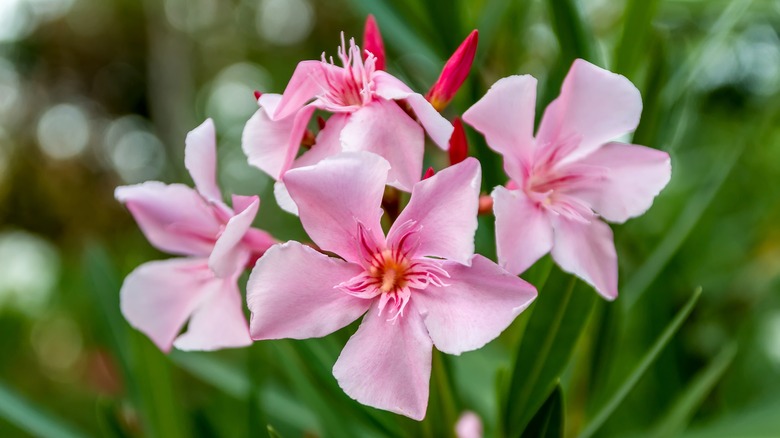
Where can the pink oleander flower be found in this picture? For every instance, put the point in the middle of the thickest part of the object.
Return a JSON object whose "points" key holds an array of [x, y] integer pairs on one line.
{"points": [[421, 285], [571, 173], [365, 116], [454, 73], [159, 297]]}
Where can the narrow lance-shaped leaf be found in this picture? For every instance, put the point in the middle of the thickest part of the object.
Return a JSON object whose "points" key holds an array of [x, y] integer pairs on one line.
{"points": [[613, 401], [559, 316], [689, 401], [549, 419], [30, 418]]}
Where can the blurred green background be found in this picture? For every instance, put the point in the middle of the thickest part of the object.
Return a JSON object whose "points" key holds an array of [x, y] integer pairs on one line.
{"points": [[98, 93]]}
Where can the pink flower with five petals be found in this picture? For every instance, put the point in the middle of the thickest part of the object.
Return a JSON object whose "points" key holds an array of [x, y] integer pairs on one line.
{"points": [[571, 173], [159, 297], [365, 117], [421, 285]]}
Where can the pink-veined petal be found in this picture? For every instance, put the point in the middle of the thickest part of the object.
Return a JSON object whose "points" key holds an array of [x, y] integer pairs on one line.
{"points": [[271, 145], [174, 218], [328, 141], [158, 297], [387, 364], [524, 232], [383, 128], [292, 294], [335, 194], [505, 116], [200, 159], [228, 256], [219, 320], [595, 105], [283, 198], [633, 176], [445, 206], [438, 128], [588, 251], [478, 303], [306, 83]]}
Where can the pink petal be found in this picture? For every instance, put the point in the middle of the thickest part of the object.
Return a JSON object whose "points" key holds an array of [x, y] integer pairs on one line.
{"points": [[307, 82], [328, 142], [175, 218], [505, 116], [229, 257], [158, 297], [283, 198], [335, 194], [271, 144], [524, 232], [595, 105], [588, 251], [218, 322], [200, 159], [383, 128], [478, 303], [387, 364], [291, 293], [437, 127], [634, 175], [445, 206]]}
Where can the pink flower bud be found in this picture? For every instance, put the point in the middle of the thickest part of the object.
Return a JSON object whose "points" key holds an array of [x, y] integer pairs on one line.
{"points": [[459, 146], [372, 42], [454, 73]]}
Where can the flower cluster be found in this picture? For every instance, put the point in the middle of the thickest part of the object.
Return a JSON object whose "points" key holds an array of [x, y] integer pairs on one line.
{"points": [[416, 282]]}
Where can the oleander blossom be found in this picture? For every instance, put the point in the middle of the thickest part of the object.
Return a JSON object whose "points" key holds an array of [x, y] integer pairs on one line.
{"points": [[159, 297], [571, 173], [365, 116], [419, 286]]}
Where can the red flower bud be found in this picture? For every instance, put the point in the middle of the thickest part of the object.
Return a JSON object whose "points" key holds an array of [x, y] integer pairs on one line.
{"points": [[372, 42], [459, 146], [257, 95], [454, 73], [485, 205], [428, 173]]}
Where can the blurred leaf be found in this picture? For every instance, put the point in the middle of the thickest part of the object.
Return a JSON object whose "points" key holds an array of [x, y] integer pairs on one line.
{"points": [[687, 403], [235, 382], [759, 420], [571, 31], [697, 59], [30, 418], [637, 23], [403, 37], [690, 216], [272, 433], [603, 413], [558, 319], [548, 422]]}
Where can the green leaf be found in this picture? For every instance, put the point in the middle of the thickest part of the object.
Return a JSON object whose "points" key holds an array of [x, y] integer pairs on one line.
{"points": [[32, 419], [558, 319], [686, 404], [637, 24], [603, 413], [548, 422], [272, 433]]}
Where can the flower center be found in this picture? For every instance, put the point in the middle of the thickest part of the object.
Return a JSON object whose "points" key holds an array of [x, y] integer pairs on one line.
{"points": [[351, 86], [389, 272]]}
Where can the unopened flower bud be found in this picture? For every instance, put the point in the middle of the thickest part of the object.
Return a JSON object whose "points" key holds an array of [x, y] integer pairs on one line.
{"points": [[454, 73]]}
